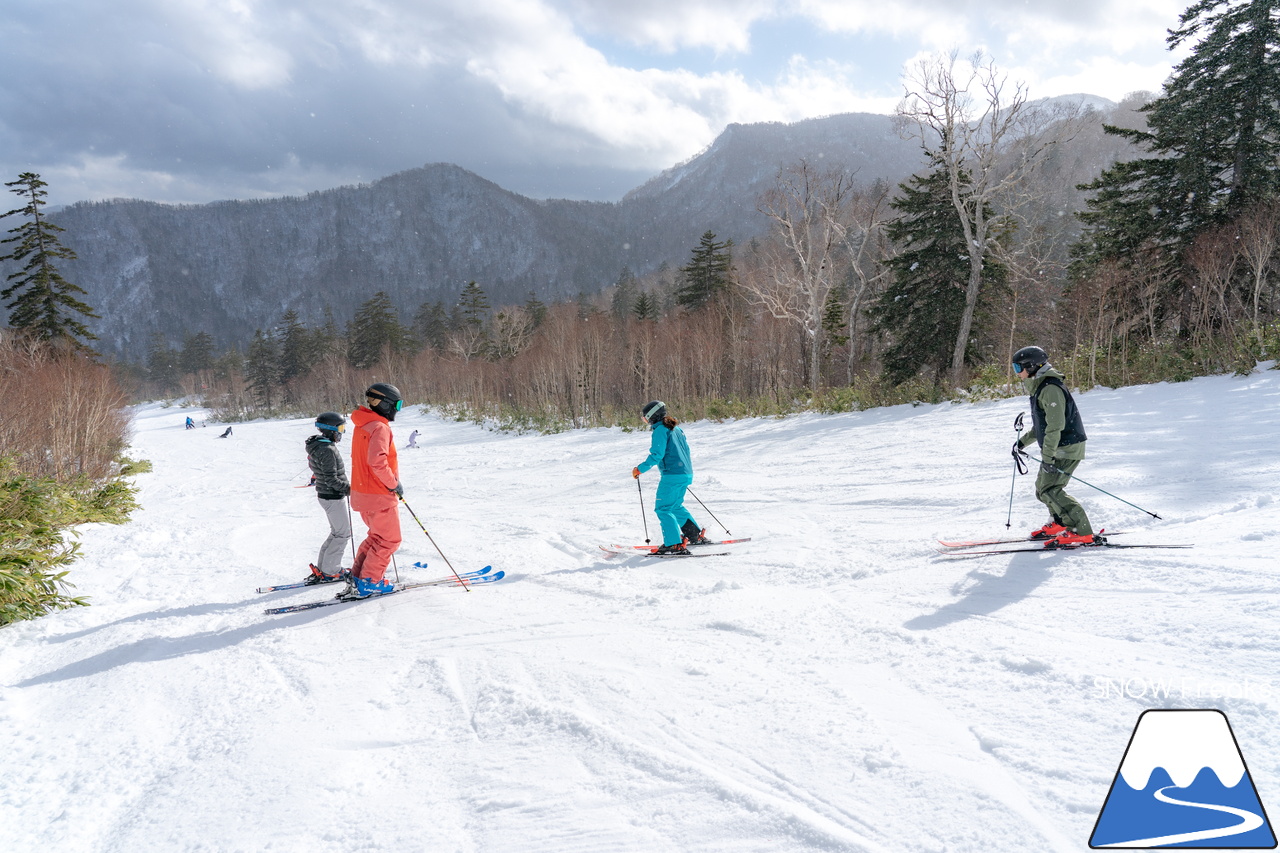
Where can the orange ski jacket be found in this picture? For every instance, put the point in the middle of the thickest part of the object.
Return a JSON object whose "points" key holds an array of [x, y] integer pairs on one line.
{"points": [[374, 468]]}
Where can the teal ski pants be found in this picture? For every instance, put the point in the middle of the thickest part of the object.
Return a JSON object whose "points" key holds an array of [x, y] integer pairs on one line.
{"points": [[669, 506]]}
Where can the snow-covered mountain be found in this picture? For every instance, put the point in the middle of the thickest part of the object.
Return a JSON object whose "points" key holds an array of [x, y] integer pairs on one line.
{"points": [[1183, 744], [833, 685], [231, 267]]}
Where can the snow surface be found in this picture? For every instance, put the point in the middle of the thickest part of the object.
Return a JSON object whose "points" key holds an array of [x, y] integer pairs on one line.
{"points": [[833, 686]]}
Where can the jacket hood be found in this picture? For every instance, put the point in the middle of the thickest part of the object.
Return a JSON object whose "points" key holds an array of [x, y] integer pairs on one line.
{"points": [[1045, 372]]}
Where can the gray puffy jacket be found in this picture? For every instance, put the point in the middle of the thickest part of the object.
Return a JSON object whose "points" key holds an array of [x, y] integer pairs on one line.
{"points": [[326, 465]]}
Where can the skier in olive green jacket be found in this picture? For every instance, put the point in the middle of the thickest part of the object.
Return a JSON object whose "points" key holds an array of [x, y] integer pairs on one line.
{"points": [[1060, 433]]}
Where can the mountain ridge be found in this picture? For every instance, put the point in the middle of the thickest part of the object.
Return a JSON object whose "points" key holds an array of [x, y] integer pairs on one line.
{"points": [[229, 267]]}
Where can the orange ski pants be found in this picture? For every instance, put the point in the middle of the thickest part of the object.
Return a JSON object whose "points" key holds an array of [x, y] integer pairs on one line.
{"points": [[382, 541]]}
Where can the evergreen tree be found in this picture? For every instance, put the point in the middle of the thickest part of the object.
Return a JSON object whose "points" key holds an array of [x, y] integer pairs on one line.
{"points": [[197, 353], [624, 294], [375, 329], [473, 305], [230, 365], [646, 306], [44, 303], [162, 363], [328, 337], [537, 310], [920, 311], [431, 325], [298, 348], [471, 322], [707, 274], [1213, 140], [586, 308], [262, 369], [835, 319]]}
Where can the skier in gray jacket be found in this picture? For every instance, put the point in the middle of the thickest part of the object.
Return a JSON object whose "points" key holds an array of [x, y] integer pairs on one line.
{"points": [[332, 489]]}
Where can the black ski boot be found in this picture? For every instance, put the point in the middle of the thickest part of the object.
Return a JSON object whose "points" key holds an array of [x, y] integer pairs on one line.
{"points": [[673, 551], [693, 535]]}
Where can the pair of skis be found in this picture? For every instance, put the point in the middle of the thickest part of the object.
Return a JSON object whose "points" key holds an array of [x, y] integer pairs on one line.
{"points": [[652, 550], [1025, 544], [480, 576]]}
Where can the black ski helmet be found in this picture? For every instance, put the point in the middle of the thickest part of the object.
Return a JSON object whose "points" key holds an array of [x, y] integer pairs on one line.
{"points": [[331, 425], [388, 397], [654, 411], [1030, 359]]}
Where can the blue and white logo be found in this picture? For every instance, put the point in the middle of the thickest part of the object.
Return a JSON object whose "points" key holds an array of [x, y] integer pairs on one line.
{"points": [[1183, 783]]}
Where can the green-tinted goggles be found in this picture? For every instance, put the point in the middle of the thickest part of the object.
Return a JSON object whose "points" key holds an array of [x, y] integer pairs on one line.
{"points": [[399, 404]]}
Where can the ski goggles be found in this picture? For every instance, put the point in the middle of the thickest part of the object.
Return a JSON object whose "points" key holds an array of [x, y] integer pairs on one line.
{"points": [[397, 405], [332, 428]]}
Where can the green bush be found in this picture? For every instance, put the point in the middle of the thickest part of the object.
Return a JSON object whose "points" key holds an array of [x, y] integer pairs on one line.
{"points": [[37, 520]]}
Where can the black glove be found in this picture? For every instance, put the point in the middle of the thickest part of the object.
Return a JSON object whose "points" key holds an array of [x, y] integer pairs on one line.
{"points": [[1048, 467], [399, 490]]}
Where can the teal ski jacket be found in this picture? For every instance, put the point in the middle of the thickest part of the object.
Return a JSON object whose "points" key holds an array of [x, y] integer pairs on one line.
{"points": [[669, 451]]}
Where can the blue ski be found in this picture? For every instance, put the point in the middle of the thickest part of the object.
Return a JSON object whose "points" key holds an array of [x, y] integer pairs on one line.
{"points": [[470, 578]]}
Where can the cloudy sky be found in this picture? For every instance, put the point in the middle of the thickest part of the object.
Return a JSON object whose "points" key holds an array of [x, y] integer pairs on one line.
{"points": [[197, 100]]}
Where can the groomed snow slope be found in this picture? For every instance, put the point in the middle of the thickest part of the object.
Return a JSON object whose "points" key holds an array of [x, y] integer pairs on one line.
{"points": [[833, 686]]}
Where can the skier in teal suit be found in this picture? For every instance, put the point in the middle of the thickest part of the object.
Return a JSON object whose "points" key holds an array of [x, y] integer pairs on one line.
{"points": [[670, 452]]}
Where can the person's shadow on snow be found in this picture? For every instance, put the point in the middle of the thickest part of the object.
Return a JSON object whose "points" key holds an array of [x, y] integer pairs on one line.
{"points": [[990, 593], [164, 648]]}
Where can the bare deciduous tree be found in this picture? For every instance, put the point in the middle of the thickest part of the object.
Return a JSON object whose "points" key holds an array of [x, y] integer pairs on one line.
{"points": [[989, 140], [870, 249], [1259, 235], [799, 263], [512, 331]]}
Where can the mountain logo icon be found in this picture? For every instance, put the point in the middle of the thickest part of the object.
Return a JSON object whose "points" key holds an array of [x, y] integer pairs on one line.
{"points": [[1183, 783]]}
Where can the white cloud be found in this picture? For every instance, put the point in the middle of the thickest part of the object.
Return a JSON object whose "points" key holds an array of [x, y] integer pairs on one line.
{"points": [[198, 99], [667, 25], [235, 40]]}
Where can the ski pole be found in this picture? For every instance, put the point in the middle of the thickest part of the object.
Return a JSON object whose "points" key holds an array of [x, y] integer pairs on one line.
{"points": [[1092, 486], [1017, 469], [433, 542], [643, 517], [709, 512]]}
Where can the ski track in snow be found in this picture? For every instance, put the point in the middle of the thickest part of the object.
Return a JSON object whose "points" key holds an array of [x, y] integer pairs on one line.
{"points": [[833, 685]]}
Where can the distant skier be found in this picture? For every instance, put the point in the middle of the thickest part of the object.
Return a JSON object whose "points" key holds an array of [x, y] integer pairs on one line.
{"points": [[669, 450], [329, 476], [226, 434], [190, 423], [375, 490], [413, 441], [1060, 433]]}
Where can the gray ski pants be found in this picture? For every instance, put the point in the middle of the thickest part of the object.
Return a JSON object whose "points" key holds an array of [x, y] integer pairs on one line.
{"points": [[330, 559]]}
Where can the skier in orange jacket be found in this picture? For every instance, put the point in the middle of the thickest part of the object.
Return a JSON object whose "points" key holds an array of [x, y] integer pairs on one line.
{"points": [[375, 490]]}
